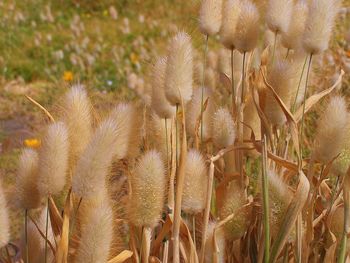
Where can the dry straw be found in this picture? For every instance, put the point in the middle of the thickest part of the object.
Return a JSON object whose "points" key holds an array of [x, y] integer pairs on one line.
{"points": [[319, 25], [4, 219], [159, 102], [93, 165], [332, 130], [179, 70], [148, 185], [27, 193], [53, 159], [195, 184], [210, 16]]}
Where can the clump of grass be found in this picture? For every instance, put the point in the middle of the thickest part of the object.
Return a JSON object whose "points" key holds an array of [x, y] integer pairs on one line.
{"points": [[186, 158]]}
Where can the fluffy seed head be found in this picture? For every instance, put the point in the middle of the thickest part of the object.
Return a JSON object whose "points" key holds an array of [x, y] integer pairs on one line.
{"points": [[193, 113], [210, 16], [279, 199], [247, 31], [53, 159], [278, 15], [4, 219], [224, 128], [332, 130], [230, 15], [93, 165], [319, 25], [96, 234], [179, 70], [159, 102], [291, 39], [281, 78], [233, 201], [195, 185], [148, 184], [77, 117], [129, 122], [27, 175]]}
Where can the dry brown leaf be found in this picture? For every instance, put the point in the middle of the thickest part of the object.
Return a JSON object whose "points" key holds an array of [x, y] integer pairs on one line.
{"points": [[55, 218], [122, 257], [295, 207], [47, 113], [62, 249], [312, 100]]}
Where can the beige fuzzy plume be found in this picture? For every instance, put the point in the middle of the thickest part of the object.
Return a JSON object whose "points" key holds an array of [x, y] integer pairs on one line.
{"points": [[319, 25], [96, 233], [232, 203], [230, 17], [278, 15], [27, 176], [129, 122], [148, 183], [210, 16], [53, 159], [224, 128], [159, 102], [179, 70], [193, 113], [247, 32], [281, 77], [291, 39], [4, 219], [195, 185], [332, 130], [94, 163], [77, 117], [279, 199]]}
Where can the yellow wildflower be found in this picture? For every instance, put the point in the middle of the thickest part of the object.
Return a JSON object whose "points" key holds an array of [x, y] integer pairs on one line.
{"points": [[105, 13], [68, 76], [32, 143], [134, 58]]}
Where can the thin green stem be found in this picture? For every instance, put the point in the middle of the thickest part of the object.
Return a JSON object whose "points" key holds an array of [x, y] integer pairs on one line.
{"points": [[26, 233], [301, 78], [47, 228], [303, 115], [265, 203], [203, 79]]}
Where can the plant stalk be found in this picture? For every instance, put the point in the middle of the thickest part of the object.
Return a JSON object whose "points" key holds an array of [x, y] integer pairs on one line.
{"points": [[301, 78], [47, 228], [26, 234], [303, 116], [343, 245], [203, 80], [265, 203]]}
